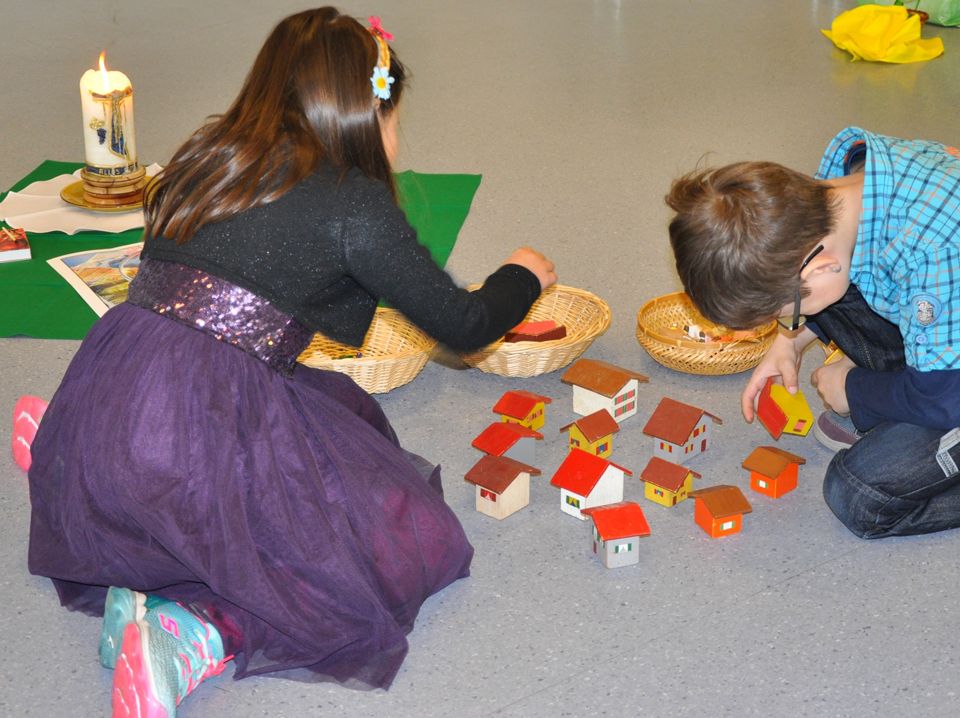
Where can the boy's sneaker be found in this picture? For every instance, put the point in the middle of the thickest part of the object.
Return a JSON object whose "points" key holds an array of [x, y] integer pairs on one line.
{"points": [[26, 420], [163, 657], [836, 432]]}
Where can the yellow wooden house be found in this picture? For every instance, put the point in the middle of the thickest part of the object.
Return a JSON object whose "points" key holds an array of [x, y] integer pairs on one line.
{"points": [[593, 434], [522, 407], [782, 412], [667, 483]]}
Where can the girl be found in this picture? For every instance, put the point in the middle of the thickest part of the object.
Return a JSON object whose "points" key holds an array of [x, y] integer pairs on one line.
{"points": [[249, 506]]}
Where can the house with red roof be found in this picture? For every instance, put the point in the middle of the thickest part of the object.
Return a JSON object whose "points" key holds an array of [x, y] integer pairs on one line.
{"points": [[680, 431], [667, 483], [522, 407], [773, 471], [617, 530], [600, 385], [594, 433], [781, 412], [586, 480], [511, 440], [503, 485]]}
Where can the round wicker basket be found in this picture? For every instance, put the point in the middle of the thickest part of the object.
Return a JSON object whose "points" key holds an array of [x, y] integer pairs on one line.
{"points": [[711, 358], [393, 353], [585, 316]]}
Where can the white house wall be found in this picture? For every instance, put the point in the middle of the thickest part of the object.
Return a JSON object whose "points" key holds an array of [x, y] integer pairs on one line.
{"points": [[586, 402], [568, 509], [609, 489]]}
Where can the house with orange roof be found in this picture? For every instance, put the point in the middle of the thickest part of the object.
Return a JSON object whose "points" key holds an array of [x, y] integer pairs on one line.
{"points": [[617, 530], [522, 407], [680, 431], [586, 480], [511, 440], [773, 472], [503, 485], [594, 433], [600, 385], [667, 483], [719, 509]]}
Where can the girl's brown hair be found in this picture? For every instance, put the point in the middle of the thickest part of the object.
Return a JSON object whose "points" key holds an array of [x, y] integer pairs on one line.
{"points": [[740, 235], [308, 97]]}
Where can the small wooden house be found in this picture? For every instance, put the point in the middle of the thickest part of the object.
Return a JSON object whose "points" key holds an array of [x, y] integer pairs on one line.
{"points": [[782, 412], [586, 480], [594, 433], [599, 385], [546, 331], [513, 441], [719, 509], [773, 472], [667, 483], [680, 431], [503, 485], [617, 529], [522, 407]]}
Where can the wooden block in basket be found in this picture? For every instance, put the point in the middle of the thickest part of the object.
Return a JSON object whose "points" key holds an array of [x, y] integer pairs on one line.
{"points": [[711, 358], [393, 353], [585, 317]]}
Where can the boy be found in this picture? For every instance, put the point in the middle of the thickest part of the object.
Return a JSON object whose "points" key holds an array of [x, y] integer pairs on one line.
{"points": [[869, 252]]}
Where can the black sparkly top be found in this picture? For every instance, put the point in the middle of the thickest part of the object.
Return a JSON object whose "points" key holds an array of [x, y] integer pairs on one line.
{"points": [[328, 250]]}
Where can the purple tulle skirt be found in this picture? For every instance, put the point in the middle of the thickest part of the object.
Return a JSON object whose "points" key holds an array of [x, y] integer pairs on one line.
{"points": [[283, 507]]}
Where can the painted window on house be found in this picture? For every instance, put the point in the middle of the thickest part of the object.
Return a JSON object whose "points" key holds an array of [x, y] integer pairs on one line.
{"points": [[574, 442], [573, 501], [696, 432], [688, 449], [623, 548], [658, 492], [601, 448], [619, 411], [762, 484], [727, 525], [666, 447], [484, 494], [800, 424]]}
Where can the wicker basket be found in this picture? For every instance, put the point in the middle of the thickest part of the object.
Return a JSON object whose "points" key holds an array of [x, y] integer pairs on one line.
{"points": [[712, 358], [585, 316], [393, 353]]}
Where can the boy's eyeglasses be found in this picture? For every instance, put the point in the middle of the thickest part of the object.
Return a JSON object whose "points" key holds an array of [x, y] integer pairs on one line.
{"points": [[796, 303]]}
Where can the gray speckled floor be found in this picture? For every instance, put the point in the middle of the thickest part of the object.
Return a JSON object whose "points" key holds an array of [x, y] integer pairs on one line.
{"points": [[578, 114]]}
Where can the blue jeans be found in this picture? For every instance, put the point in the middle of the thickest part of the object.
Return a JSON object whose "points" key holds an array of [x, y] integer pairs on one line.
{"points": [[889, 483]]}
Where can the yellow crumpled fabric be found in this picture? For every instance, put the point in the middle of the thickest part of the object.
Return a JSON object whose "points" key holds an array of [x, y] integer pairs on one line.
{"points": [[882, 34]]}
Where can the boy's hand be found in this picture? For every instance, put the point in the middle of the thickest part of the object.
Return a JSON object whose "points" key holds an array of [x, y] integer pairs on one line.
{"points": [[782, 361], [536, 263], [831, 383]]}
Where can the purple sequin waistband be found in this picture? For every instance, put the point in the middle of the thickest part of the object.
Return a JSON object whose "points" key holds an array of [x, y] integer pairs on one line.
{"points": [[221, 309]]}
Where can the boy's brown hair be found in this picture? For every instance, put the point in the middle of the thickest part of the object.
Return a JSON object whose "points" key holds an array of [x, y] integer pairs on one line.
{"points": [[740, 235]]}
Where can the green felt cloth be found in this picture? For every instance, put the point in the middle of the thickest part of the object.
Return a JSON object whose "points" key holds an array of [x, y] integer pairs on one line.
{"points": [[38, 302]]}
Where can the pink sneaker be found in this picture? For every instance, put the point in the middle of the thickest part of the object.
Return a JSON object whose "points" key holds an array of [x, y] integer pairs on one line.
{"points": [[26, 420]]}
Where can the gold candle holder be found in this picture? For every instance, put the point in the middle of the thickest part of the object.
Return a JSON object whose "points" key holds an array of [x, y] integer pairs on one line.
{"points": [[105, 190]]}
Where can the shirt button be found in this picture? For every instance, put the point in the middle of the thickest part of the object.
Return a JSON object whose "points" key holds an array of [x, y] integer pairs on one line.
{"points": [[921, 339]]}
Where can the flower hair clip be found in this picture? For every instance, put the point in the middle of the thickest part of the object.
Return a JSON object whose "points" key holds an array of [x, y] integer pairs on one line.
{"points": [[381, 79]]}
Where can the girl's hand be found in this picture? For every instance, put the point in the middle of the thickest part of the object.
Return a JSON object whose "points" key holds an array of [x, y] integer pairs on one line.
{"points": [[781, 362], [536, 263], [831, 383]]}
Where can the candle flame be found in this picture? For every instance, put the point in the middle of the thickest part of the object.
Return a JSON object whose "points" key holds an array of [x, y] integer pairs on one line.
{"points": [[104, 75]]}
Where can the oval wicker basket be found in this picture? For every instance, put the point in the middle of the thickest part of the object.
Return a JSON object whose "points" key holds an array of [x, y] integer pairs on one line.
{"points": [[393, 353], [711, 358], [585, 316]]}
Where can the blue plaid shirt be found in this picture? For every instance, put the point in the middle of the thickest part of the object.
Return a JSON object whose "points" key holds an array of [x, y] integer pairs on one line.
{"points": [[907, 260]]}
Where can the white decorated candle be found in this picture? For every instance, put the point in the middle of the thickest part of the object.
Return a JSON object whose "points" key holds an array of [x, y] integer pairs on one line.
{"points": [[108, 134]]}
